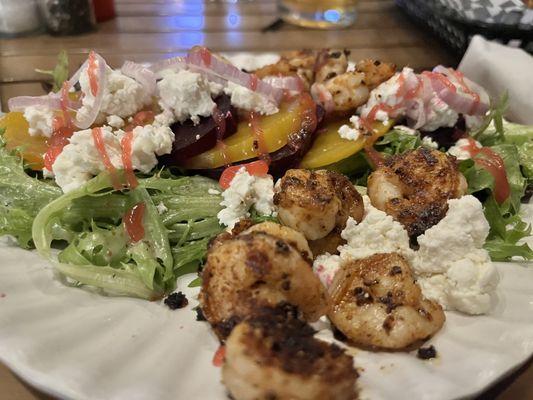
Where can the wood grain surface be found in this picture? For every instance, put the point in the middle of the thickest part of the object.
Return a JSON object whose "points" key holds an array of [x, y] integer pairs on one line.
{"points": [[147, 30]]}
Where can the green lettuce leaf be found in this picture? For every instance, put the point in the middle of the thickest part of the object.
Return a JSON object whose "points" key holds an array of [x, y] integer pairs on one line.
{"points": [[179, 220], [506, 226], [397, 141], [21, 197], [60, 72]]}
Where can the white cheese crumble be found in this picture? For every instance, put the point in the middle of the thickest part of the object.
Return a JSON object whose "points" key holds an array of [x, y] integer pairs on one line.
{"points": [[451, 265], [429, 142], [123, 96], [115, 121], [184, 95], [454, 249], [351, 132], [325, 267], [460, 149], [382, 116], [378, 232], [244, 192], [249, 100], [438, 114], [80, 160], [385, 93], [40, 120], [213, 191]]}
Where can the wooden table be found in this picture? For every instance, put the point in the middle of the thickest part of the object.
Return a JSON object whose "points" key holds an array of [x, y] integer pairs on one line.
{"points": [[147, 30]]}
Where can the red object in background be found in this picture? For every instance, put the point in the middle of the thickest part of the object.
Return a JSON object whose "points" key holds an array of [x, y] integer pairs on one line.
{"points": [[104, 10]]}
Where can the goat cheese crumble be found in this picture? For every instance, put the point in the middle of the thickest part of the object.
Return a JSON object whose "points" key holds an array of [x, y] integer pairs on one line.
{"points": [[183, 95], [123, 96], [40, 120], [460, 149], [80, 160], [378, 232], [450, 265], [246, 99], [351, 132], [246, 191], [115, 121], [325, 267]]}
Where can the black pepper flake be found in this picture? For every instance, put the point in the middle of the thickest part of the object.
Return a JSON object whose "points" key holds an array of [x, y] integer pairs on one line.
{"points": [[389, 302], [362, 297], [176, 300], [395, 270], [426, 353]]}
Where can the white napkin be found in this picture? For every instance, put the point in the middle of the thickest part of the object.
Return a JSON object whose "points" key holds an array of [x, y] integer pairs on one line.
{"points": [[499, 68]]}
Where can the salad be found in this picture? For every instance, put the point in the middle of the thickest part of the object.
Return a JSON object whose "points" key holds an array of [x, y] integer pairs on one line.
{"points": [[122, 177]]}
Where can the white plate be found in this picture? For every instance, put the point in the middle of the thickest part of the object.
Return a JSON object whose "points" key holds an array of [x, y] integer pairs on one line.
{"points": [[76, 344]]}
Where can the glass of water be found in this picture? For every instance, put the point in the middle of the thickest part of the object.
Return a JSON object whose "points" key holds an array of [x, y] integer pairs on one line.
{"points": [[319, 13]]}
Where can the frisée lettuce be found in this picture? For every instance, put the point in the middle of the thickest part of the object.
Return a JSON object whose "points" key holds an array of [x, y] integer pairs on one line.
{"points": [[180, 217], [21, 196]]}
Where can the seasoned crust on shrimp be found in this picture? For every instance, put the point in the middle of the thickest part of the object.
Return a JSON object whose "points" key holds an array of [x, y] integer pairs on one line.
{"points": [[348, 90], [300, 63], [414, 188], [292, 237], [375, 71], [274, 356], [330, 63], [315, 202], [253, 270], [376, 303], [328, 244]]}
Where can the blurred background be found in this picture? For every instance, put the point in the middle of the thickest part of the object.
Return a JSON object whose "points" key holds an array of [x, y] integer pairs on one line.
{"points": [[418, 33]]}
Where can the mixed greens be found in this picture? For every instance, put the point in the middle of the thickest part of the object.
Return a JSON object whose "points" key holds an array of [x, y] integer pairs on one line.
{"points": [[85, 234], [514, 143], [87, 225]]}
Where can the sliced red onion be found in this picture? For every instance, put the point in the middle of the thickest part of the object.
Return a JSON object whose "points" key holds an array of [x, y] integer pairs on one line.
{"points": [[169, 63], [322, 96], [141, 74], [76, 77], [51, 101], [196, 60], [291, 83], [463, 103], [86, 121], [418, 113]]}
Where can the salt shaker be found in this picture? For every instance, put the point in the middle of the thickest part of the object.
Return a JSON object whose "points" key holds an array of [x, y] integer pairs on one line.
{"points": [[18, 17], [68, 17]]}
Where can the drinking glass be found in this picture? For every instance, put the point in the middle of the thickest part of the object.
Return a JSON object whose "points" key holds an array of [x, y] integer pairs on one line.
{"points": [[325, 14]]}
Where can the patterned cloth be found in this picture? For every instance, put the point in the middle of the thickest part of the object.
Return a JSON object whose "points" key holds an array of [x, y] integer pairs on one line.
{"points": [[507, 12]]}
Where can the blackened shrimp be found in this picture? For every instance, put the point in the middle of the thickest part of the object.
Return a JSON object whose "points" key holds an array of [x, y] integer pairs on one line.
{"points": [[330, 63], [316, 202], [300, 63], [275, 356], [292, 237], [376, 303], [257, 269], [414, 188], [375, 71]]}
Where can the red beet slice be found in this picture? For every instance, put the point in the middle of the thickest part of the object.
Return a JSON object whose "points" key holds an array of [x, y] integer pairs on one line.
{"points": [[191, 140]]}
